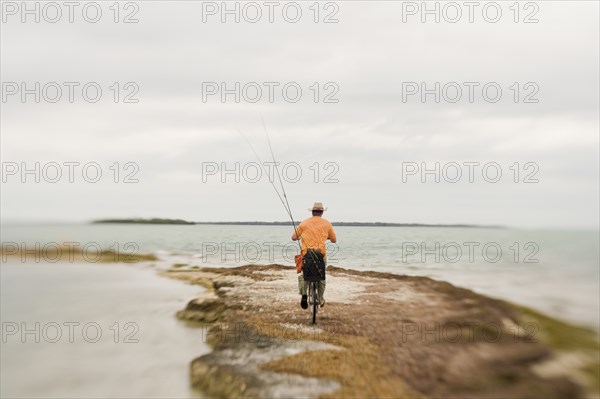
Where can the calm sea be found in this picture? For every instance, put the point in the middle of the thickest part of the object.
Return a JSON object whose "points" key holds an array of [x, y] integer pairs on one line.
{"points": [[551, 270]]}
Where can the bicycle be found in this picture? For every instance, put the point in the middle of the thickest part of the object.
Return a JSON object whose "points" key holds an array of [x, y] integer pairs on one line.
{"points": [[313, 272], [313, 300]]}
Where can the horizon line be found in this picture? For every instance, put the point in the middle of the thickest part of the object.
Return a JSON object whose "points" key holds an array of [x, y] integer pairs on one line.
{"points": [[168, 221]]}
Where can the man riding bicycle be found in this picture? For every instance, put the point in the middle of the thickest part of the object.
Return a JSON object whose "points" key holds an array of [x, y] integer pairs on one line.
{"points": [[314, 232]]}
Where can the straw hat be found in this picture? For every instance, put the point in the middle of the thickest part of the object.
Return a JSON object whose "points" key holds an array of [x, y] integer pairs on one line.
{"points": [[318, 206]]}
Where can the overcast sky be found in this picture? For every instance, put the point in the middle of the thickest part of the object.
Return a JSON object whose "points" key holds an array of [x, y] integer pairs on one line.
{"points": [[364, 140]]}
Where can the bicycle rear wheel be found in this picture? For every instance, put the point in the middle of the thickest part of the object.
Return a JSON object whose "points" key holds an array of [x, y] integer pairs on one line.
{"points": [[315, 301]]}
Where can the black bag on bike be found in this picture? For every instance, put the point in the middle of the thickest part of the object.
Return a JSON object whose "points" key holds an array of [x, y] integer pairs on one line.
{"points": [[314, 266]]}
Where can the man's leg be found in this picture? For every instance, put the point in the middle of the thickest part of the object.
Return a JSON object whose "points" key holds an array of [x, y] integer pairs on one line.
{"points": [[321, 290], [322, 285], [301, 284], [302, 290]]}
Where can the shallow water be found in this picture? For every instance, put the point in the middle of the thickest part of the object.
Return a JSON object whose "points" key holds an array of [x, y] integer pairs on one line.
{"points": [[84, 346]]}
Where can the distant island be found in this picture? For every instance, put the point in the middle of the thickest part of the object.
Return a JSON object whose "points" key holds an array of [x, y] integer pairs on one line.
{"points": [[259, 223], [144, 221]]}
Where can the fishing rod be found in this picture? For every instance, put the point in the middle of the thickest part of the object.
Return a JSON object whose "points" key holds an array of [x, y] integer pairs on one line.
{"points": [[289, 209], [285, 202], [261, 164]]}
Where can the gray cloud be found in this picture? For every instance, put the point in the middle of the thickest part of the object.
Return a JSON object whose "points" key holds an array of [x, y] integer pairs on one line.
{"points": [[368, 134]]}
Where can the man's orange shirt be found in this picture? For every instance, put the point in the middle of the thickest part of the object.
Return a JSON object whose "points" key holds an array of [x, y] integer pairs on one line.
{"points": [[314, 232]]}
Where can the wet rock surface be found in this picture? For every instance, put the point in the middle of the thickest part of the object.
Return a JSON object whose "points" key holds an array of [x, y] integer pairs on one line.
{"points": [[379, 335]]}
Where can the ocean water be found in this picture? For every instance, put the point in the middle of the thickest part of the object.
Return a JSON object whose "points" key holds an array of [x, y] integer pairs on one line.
{"points": [[555, 271], [72, 330]]}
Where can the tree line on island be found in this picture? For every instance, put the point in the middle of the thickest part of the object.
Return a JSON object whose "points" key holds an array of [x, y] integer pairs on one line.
{"points": [[289, 223]]}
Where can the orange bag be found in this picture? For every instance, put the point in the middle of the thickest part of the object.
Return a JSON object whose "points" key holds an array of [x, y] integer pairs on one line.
{"points": [[299, 259]]}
